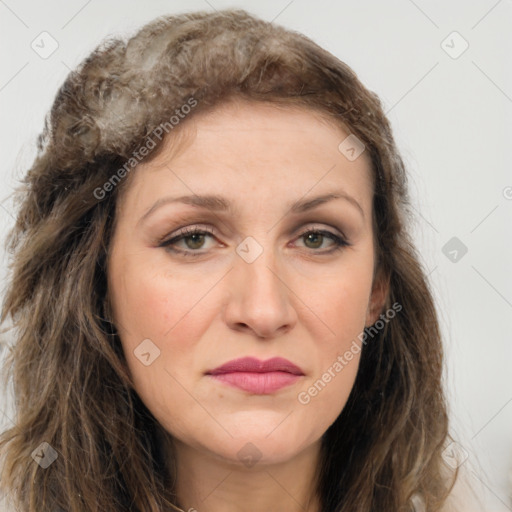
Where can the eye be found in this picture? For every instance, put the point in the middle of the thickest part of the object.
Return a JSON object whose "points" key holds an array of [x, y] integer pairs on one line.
{"points": [[194, 239], [192, 236], [315, 237]]}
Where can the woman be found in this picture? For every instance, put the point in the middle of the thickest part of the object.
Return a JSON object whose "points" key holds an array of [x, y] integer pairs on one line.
{"points": [[218, 304]]}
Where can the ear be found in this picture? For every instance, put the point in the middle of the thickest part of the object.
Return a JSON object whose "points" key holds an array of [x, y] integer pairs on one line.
{"points": [[378, 298]]}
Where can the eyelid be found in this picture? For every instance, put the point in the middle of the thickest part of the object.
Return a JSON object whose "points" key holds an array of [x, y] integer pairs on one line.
{"points": [[339, 241], [312, 226], [318, 226], [182, 233], [193, 229]]}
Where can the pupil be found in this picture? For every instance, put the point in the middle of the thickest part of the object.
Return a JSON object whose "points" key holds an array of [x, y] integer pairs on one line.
{"points": [[315, 238], [195, 236], [312, 236]]}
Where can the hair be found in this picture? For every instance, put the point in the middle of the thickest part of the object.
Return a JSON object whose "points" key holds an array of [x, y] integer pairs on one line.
{"points": [[69, 374]]}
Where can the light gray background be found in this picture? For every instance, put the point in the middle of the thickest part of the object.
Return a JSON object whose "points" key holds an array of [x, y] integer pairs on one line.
{"points": [[452, 121]]}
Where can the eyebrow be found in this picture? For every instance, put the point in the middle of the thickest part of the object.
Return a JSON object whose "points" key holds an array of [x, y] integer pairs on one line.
{"points": [[218, 203]]}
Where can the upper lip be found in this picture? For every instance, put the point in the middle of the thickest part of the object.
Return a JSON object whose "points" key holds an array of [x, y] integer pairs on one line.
{"points": [[251, 364]]}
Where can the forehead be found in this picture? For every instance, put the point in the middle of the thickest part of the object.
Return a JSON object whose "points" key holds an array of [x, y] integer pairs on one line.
{"points": [[252, 148], [267, 123]]}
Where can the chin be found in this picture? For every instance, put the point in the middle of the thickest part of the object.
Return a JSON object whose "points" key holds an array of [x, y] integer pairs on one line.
{"points": [[255, 453], [253, 447]]}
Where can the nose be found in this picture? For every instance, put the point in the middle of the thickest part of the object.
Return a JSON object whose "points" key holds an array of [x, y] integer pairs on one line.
{"points": [[259, 301]]}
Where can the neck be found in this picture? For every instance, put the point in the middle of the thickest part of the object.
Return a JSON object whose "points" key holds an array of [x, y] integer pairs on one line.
{"points": [[210, 484]]}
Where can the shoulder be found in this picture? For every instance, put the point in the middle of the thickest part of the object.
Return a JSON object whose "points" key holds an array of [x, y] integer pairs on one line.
{"points": [[464, 497]]}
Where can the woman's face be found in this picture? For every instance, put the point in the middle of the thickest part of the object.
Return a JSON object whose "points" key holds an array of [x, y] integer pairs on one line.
{"points": [[259, 282]]}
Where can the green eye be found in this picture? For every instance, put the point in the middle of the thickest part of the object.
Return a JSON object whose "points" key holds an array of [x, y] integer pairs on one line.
{"points": [[194, 239]]}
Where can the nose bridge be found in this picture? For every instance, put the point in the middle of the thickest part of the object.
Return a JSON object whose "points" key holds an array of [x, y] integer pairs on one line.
{"points": [[260, 298], [257, 265]]}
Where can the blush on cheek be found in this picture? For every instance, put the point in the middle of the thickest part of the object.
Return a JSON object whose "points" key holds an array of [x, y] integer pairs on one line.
{"points": [[145, 306]]}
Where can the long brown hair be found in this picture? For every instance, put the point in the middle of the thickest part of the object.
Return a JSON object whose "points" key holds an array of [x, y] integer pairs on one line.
{"points": [[72, 387]]}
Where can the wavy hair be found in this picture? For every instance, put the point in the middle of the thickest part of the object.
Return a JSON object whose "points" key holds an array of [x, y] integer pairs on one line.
{"points": [[70, 378]]}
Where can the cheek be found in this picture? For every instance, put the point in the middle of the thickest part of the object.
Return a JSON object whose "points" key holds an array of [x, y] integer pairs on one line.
{"points": [[342, 303], [342, 306], [324, 396], [150, 305], [169, 310], [176, 311], [149, 302], [325, 393]]}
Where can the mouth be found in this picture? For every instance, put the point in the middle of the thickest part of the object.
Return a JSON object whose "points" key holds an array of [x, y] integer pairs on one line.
{"points": [[257, 377]]}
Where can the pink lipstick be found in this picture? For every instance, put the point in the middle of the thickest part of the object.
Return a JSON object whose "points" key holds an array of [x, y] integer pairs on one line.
{"points": [[258, 377]]}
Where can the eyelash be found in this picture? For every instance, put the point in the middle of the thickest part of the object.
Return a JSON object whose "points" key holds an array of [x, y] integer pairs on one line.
{"points": [[339, 242]]}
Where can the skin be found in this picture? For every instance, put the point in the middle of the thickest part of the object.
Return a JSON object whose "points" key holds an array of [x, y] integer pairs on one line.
{"points": [[295, 300]]}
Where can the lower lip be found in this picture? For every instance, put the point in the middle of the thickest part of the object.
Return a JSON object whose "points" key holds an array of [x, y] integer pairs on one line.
{"points": [[258, 383]]}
